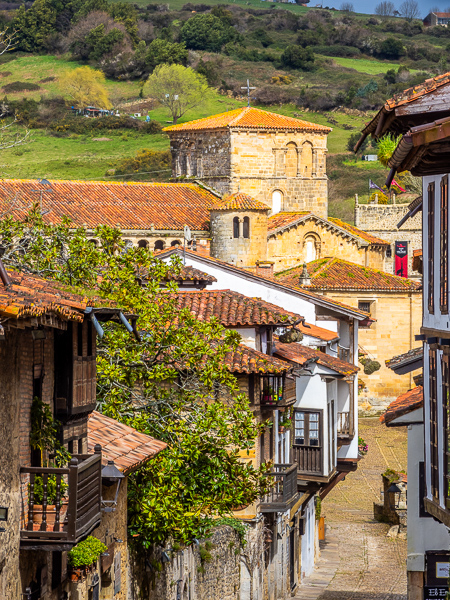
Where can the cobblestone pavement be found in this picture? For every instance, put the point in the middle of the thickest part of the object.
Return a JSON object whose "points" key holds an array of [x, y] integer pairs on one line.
{"points": [[359, 562]]}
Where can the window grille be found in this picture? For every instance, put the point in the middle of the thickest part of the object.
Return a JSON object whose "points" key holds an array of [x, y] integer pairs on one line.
{"points": [[364, 305]]}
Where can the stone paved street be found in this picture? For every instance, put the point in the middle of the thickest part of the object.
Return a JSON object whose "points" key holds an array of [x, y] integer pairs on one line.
{"points": [[359, 562]]}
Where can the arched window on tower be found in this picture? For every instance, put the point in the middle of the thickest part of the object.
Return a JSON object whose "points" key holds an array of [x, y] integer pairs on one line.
{"points": [[291, 160], [277, 200], [236, 227], [246, 227], [142, 244], [159, 245]]}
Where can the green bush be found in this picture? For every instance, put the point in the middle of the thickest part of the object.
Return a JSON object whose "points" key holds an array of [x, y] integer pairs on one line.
{"points": [[86, 552], [81, 125], [21, 86], [297, 57], [154, 165], [207, 32]]}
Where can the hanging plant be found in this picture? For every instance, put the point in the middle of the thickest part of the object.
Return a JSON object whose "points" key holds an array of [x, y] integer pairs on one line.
{"points": [[290, 336], [370, 366]]}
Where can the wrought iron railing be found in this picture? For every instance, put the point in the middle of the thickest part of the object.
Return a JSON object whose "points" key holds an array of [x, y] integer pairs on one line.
{"points": [[73, 515], [284, 489]]}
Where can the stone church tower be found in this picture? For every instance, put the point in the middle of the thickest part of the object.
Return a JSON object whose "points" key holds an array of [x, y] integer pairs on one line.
{"points": [[239, 230], [277, 160]]}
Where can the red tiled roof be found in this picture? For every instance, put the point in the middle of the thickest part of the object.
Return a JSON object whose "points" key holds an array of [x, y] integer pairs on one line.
{"points": [[247, 360], [248, 118], [334, 304], [337, 274], [32, 296], [318, 332], [404, 404], [283, 219], [232, 309], [442, 14], [239, 202], [131, 205], [358, 232], [303, 354], [124, 445], [188, 273]]}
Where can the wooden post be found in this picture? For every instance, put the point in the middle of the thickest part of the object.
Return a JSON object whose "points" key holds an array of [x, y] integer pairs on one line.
{"points": [[73, 500]]}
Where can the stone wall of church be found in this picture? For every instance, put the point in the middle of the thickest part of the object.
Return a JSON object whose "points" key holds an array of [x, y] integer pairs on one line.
{"points": [[205, 155], [292, 163], [381, 220], [310, 240], [382, 341], [240, 251]]}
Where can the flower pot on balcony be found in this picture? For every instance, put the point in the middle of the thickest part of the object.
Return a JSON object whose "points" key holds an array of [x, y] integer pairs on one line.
{"points": [[38, 512], [281, 428], [76, 574]]}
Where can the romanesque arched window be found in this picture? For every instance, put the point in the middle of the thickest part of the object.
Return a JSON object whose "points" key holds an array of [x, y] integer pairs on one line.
{"points": [[175, 243], [307, 159], [94, 242], [291, 160], [277, 202], [246, 227], [311, 247], [142, 244], [159, 245], [236, 227]]}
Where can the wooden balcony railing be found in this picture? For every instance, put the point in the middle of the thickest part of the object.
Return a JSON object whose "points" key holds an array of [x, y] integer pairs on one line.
{"points": [[284, 491], [345, 425], [308, 459], [70, 518]]}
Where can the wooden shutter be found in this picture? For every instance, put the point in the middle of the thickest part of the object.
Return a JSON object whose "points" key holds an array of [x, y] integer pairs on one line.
{"points": [[443, 296], [434, 454], [431, 248]]}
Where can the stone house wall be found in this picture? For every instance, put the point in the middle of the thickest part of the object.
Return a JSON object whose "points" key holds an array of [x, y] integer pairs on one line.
{"points": [[381, 220], [288, 248], [398, 318]]}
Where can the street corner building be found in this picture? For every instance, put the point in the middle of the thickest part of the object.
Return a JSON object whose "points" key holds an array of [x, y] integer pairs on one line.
{"points": [[48, 368]]}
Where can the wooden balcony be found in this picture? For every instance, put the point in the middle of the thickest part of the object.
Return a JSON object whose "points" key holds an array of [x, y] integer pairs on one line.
{"points": [[345, 430], [308, 459], [284, 492], [60, 525]]}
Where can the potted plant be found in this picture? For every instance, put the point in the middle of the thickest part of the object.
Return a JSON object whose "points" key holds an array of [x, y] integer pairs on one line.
{"points": [[83, 557], [43, 437], [285, 421]]}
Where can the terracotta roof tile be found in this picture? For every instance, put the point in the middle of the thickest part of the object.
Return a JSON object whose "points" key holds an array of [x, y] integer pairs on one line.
{"points": [[274, 280], [124, 445], [405, 358], [188, 273], [33, 296], [247, 360], [132, 205], [318, 332], [404, 404], [358, 232], [283, 219], [239, 202], [337, 274], [303, 354], [248, 118], [232, 309]]}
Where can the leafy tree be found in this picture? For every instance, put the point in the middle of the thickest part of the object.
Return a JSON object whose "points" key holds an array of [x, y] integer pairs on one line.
{"points": [[178, 88], [385, 8], [297, 57], [390, 76], [85, 86], [207, 32], [161, 51], [391, 48], [172, 383], [100, 42], [35, 25], [352, 141]]}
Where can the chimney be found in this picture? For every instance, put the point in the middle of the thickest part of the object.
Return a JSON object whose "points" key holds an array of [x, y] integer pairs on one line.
{"points": [[304, 277], [264, 268]]}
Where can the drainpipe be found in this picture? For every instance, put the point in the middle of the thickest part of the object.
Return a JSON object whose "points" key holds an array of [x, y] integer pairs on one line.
{"points": [[411, 333], [4, 275]]}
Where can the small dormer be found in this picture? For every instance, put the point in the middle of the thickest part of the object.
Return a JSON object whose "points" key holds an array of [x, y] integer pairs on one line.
{"points": [[239, 230]]}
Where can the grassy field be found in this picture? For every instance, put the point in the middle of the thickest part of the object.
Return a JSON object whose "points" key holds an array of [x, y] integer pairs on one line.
{"points": [[365, 65]]}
